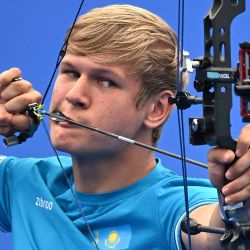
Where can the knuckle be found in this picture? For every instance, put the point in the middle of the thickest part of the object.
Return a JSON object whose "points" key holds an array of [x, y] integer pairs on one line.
{"points": [[4, 78], [212, 153], [23, 86], [31, 97], [3, 119], [4, 116], [20, 122], [6, 131]]}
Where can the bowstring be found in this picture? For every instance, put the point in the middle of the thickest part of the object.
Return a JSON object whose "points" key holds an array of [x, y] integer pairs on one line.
{"points": [[58, 62], [179, 88]]}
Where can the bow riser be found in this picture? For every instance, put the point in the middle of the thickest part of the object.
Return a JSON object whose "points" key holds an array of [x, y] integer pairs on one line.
{"points": [[215, 83]]}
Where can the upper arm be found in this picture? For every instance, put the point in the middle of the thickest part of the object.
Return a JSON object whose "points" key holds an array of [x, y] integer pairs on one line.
{"points": [[207, 215]]}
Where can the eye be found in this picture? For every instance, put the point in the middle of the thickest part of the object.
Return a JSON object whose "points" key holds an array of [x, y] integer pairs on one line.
{"points": [[71, 73], [106, 83]]}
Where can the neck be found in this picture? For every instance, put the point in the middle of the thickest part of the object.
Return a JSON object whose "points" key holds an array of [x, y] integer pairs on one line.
{"points": [[110, 173]]}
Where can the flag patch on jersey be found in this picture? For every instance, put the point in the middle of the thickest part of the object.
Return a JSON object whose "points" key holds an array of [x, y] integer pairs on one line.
{"points": [[117, 238]]}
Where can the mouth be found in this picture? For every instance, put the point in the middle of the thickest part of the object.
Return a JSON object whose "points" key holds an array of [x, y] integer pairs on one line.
{"points": [[57, 116], [62, 120]]}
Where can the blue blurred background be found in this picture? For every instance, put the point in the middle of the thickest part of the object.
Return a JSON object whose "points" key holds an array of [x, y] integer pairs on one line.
{"points": [[32, 33]]}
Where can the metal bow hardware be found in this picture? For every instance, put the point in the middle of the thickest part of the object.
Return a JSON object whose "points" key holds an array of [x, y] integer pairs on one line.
{"points": [[214, 78]]}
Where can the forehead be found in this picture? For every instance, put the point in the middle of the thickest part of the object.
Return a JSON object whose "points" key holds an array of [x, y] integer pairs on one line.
{"points": [[82, 61]]}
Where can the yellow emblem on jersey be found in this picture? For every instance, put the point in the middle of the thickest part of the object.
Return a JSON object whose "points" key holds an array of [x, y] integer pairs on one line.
{"points": [[112, 240]]}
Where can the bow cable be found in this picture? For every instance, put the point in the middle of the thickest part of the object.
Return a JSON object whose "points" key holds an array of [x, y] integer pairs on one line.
{"points": [[179, 89]]}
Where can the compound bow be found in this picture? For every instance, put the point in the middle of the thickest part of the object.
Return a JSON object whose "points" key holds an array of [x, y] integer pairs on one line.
{"points": [[214, 77]]}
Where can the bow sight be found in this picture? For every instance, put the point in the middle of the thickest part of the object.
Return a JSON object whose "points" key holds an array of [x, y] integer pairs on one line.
{"points": [[214, 78], [215, 83]]}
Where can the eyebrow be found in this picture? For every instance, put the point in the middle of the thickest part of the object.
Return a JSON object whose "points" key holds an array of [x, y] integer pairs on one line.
{"points": [[95, 70]]}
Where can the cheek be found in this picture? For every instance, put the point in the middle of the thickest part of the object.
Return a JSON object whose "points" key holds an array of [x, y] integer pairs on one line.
{"points": [[121, 119], [58, 95]]}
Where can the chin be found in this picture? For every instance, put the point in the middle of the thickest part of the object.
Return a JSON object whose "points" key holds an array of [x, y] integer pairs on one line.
{"points": [[67, 145], [59, 145]]}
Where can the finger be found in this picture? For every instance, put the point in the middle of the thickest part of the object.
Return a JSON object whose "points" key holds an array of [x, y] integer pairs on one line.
{"points": [[14, 89], [4, 117], [16, 123], [20, 103], [243, 142], [217, 175], [20, 122], [237, 184], [217, 159], [241, 195], [238, 167], [238, 197], [8, 76], [7, 130], [220, 155]]}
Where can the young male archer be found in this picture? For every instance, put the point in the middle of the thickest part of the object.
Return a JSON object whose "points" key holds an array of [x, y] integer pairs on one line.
{"points": [[118, 73]]}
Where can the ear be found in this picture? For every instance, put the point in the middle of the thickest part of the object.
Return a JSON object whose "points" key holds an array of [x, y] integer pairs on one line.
{"points": [[158, 109]]}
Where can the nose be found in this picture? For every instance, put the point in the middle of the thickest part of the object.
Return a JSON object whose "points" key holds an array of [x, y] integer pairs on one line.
{"points": [[79, 94]]}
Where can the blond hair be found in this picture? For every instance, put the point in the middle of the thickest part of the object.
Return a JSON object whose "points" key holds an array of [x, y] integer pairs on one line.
{"points": [[132, 36]]}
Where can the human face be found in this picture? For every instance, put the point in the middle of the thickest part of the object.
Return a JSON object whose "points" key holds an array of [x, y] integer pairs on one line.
{"points": [[97, 95]]}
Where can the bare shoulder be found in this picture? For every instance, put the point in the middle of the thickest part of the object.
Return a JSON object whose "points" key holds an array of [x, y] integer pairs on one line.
{"points": [[207, 215]]}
